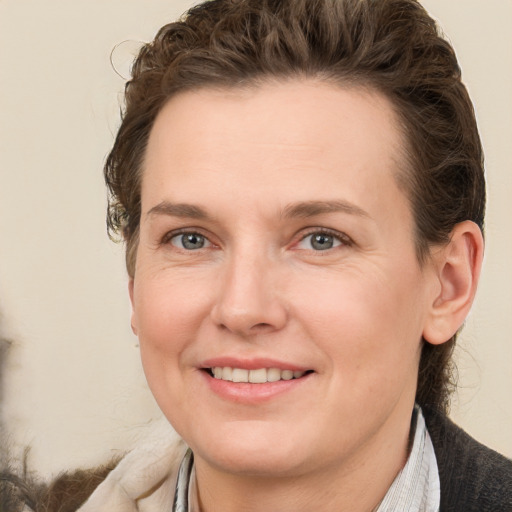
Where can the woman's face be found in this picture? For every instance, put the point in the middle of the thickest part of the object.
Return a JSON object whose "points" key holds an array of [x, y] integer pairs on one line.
{"points": [[274, 236]]}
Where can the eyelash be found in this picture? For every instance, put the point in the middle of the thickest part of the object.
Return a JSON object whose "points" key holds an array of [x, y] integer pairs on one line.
{"points": [[168, 237], [342, 238]]}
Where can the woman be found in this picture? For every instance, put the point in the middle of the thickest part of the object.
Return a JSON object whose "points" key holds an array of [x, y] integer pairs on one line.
{"points": [[300, 188]]}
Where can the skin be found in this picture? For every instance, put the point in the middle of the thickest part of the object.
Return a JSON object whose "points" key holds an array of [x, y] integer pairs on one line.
{"points": [[256, 168]]}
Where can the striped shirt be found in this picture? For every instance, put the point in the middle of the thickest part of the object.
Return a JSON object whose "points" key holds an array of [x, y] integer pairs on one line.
{"points": [[416, 488]]}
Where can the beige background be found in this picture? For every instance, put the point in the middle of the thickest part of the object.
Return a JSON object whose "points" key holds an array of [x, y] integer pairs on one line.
{"points": [[75, 389]]}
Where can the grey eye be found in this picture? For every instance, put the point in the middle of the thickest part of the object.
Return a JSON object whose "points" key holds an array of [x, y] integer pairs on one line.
{"points": [[190, 241], [319, 242]]}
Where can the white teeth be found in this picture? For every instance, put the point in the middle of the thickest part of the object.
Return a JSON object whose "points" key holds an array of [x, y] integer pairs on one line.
{"points": [[287, 375], [240, 375], [258, 376], [273, 374], [227, 373]]}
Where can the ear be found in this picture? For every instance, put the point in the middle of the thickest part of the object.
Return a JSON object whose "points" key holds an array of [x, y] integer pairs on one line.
{"points": [[131, 285], [457, 269]]}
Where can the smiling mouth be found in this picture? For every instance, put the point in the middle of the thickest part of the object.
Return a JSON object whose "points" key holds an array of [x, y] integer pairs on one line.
{"points": [[257, 376]]}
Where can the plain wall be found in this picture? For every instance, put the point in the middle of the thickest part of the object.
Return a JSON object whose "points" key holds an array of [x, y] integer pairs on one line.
{"points": [[75, 391]]}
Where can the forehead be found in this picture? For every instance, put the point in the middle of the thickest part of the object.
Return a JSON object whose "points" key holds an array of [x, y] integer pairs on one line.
{"points": [[313, 136]]}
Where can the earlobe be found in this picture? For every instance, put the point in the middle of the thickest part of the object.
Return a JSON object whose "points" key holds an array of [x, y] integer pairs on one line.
{"points": [[133, 321], [457, 265]]}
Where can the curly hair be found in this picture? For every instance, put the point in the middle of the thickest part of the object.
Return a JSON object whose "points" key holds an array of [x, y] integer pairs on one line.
{"points": [[391, 46]]}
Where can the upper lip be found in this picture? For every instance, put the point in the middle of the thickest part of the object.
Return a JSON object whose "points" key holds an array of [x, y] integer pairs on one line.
{"points": [[251, 364]]}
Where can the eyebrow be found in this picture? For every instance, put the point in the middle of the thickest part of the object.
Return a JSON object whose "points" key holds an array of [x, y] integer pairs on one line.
{"points": [[303, 209], [307, 209], [178, 210]]}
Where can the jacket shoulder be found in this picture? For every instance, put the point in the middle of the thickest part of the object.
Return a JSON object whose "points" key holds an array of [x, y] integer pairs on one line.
{"points": [[472, 476]]}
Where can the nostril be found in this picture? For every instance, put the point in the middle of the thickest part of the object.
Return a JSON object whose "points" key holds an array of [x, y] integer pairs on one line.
{"points": [[261, 326]]}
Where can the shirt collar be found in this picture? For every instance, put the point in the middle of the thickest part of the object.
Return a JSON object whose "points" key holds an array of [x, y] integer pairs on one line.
{"points": [[416, 488]]}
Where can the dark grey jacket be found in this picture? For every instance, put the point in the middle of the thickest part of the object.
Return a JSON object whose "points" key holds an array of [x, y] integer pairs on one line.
{"points": [[473, 477]]}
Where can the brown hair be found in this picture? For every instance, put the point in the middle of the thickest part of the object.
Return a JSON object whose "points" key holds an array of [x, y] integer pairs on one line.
{"points": [[66, 493], [392, 46]]}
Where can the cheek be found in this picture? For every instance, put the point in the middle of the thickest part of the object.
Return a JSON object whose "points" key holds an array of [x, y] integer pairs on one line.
{"points": [[169, 313], [168, 308], [368, 323], [167, 326]]}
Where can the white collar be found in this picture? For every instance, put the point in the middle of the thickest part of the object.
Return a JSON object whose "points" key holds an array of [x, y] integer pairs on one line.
{"points": [[416, 488]]}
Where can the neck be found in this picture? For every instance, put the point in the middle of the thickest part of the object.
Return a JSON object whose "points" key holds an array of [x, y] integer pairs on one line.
{"points": [[356, 484]]}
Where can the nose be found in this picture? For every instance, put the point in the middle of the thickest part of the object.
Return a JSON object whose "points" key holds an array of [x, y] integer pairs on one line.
{"points": [[249, 301]]}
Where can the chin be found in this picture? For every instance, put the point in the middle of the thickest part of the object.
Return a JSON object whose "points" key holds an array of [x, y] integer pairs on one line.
{"points": [[262, 464], [252, 451]]}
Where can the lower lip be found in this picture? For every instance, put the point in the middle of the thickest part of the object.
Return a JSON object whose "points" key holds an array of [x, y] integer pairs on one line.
{"points": [[246, 392]]}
